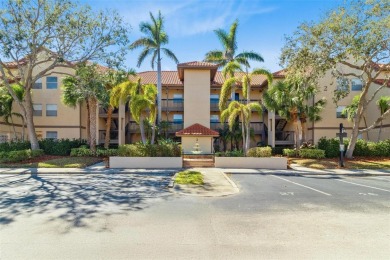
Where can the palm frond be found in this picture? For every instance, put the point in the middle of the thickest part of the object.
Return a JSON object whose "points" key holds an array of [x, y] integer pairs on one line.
{"points": [[264, 72], [170, 55], [233, 36], [143, 55], [225, 92], [250, 55], [143, 42], [230, 68]]}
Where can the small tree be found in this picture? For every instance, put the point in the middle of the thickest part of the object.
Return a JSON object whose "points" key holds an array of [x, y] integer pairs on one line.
{"points": [[350, 41], [55, 34], [6, 107], [384, 105]]}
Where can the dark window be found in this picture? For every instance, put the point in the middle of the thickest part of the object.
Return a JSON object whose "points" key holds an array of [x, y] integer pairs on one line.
{"points": [[51, 83], [357, 85], [51, 134], [51, 110], [37, 109], [37, 84]]}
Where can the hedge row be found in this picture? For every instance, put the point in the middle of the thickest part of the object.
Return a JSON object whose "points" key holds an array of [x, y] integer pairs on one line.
{"points": [[83, 151], [166, 149], [362, 147], [20, 155], [260, 152], [305, 153], [49, 146], [234, 153]]}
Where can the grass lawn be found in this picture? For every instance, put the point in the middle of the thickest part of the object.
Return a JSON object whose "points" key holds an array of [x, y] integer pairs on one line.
{"points": [[189, 177], [355, 163], [54, 162]]}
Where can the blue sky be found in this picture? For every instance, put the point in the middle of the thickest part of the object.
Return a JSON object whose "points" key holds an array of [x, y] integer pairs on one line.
{"points": [[190, 25]]}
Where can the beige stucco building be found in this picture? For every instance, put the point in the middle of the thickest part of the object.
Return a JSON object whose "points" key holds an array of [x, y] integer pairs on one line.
{"points": [[190, 96]]}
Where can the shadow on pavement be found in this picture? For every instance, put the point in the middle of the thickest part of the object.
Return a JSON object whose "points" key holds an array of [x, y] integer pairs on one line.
{"points": [[75, 198]]}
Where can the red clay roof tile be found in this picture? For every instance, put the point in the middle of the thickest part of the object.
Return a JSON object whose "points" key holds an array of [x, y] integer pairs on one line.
{"points": [[197, 130]]}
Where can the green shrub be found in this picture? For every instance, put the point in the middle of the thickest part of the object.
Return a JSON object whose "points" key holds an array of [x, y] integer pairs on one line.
{"points": [[260, 152], [20, 155], [60, 146], [14, 146], [234, 153], [330, 146], [311, 153], [278, 150], [290, 152], [81, 152], [163, 149], [378, 149], [361, 148], [106, 152]]}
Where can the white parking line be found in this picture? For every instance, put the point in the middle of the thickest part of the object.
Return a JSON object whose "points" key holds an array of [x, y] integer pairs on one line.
{"points": [[302, 185], [364, 185]]}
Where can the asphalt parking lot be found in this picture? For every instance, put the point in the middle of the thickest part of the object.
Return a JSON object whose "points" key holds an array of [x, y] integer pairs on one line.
{"points": [[134, 216]]}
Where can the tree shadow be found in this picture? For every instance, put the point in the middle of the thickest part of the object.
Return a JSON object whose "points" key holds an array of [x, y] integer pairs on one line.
{"points": [[76, 198]]}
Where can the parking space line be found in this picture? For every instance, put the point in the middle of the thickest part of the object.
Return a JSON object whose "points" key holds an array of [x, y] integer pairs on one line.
{"points": [[302, 185], [364, 185]]}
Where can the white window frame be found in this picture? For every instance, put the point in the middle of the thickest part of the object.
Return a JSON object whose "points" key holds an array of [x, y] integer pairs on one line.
{"points": [[50, 112]]}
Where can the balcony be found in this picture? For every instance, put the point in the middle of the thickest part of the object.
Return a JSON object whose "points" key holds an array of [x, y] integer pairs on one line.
{"points": [[113, 136], [256, 126], [103, 112], [214, 103], [284, 137], [172, 104], [173, 127]]}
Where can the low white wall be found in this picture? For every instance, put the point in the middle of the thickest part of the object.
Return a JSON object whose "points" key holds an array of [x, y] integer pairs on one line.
{"points": [[146, 162], [278, 163]]}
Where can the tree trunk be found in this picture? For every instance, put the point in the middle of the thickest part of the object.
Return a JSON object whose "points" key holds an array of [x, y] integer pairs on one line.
{"points": [[30, 121], [380, 131], [354, 137], [304, 132], [153, 132], [92, 119], [243, 124], [296, 133], [23, 127], [142, 130], [13, 127], [108, 127], [88, 123], [158, 86]]}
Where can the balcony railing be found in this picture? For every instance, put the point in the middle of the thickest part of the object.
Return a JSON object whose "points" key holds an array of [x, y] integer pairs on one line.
{"points": [[256, 126], [214, 103], [113, 136], [172, 104], [173, 127], [284, 137]]}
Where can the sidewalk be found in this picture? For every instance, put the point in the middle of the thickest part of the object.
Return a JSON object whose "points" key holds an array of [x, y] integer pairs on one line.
{"points": [[352, 172], [217, 184]]}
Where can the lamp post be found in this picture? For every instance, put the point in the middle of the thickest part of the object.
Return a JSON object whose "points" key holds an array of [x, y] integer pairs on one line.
{"points": [[341, 134]]}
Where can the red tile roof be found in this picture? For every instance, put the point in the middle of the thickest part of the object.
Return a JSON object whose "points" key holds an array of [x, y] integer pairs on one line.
{"points": [[382, 82], [197, 64], [171, 78], [280, 73], [197, 130]]}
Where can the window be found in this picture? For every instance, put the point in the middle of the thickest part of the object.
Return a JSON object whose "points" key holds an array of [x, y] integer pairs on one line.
{"points": [[38, 84], [342, 84], [339, 112], [51, 83], [177, 98], [51, 110], [360, 136], [214, 98], [51, 135], [177, 119], [37, 109], [357, 84], [214, 118]]}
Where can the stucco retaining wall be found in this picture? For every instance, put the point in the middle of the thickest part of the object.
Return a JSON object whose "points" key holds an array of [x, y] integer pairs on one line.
{"points": [[146, 162], [278, 163]]}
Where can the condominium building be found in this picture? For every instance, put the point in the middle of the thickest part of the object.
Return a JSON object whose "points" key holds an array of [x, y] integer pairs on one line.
{"points": [[190, 98]]}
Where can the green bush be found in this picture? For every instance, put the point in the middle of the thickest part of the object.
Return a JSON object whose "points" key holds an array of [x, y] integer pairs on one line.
{"points": [[106, 152], [162, 149], [20, 155], [311, 153], [290, 152], [260, 152], [361, 148], [278, 150], [234, 153], [60, 146], [14, 146], [330, 146], [81, 152]]}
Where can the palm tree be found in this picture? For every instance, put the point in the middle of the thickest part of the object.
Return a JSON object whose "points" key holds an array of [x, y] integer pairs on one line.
{"points": [[155, 37], [6, 103], [227, 57], [291, 102], [383, 104], [112, 79], [142, 105], [88, 85]]}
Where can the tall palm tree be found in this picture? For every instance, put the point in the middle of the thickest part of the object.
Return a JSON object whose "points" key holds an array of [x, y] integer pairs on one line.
{"points": [[87, 84], [383, 104], [142, 104], [228, 41], [154, 38]]}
